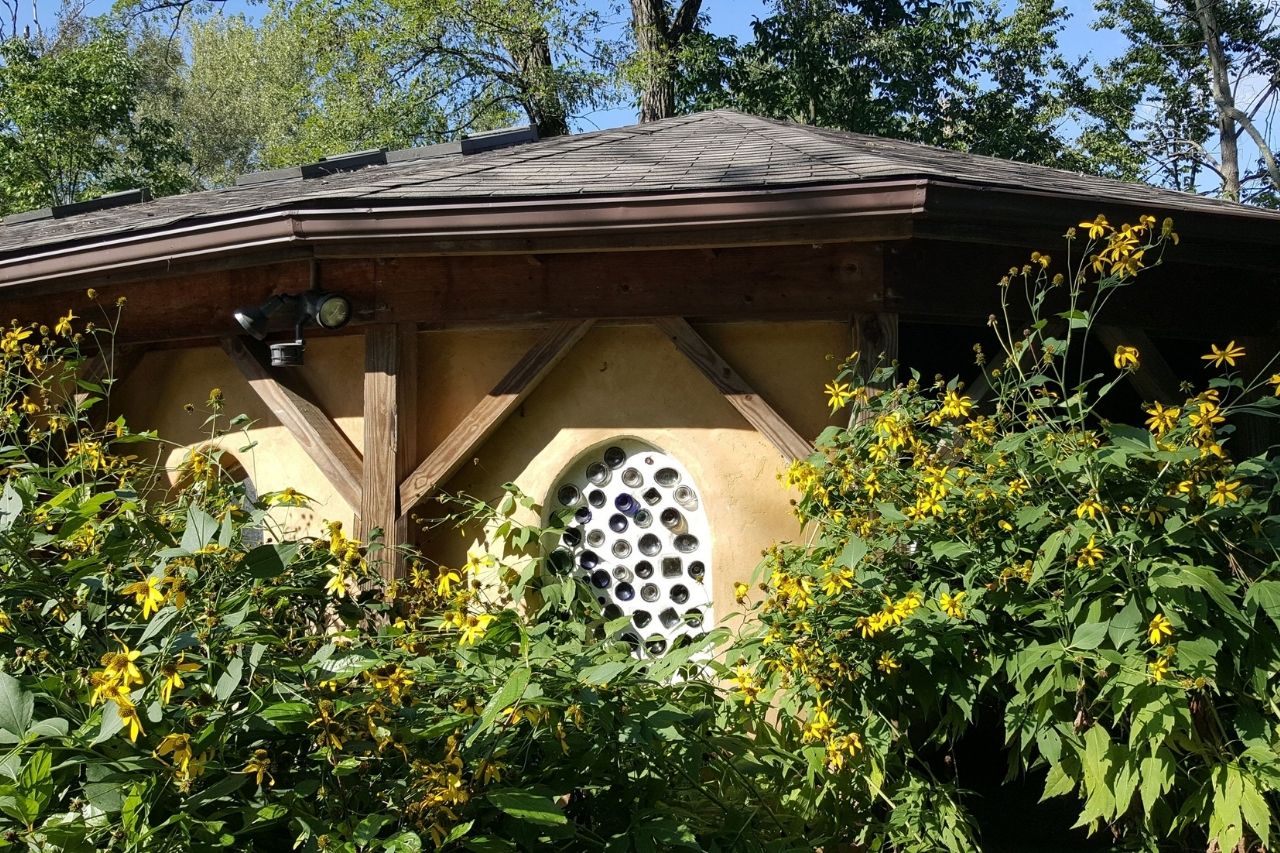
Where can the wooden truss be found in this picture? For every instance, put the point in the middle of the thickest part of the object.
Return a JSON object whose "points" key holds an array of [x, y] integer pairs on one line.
{"points": [[382, 484]]}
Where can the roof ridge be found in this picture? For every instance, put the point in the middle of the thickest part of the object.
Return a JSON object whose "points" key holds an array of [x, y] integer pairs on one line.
{"points": [[738, 117], [556, 145]]}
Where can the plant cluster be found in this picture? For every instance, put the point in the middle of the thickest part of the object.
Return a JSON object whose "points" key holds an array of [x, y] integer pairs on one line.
{"points": [[1107, 594], [167, 684]]}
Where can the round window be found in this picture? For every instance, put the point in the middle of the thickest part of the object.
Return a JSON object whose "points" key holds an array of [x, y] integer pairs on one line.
{"points": [[637, 536]]}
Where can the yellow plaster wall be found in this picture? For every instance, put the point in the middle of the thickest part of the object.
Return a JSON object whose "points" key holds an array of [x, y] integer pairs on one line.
{"points": [[154, 394], [619, 380], [630, 380]]}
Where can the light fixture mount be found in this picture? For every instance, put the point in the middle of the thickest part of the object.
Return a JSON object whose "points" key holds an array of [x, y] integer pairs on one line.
{"points": [[327, 310]]}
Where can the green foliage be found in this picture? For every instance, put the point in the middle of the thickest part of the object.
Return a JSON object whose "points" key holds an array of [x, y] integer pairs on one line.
{"points": [[958, 74], [1108, 592], [70, 128], [165, 684]]}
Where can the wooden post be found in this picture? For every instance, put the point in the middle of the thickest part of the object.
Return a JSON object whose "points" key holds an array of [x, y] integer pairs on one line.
{"points": [[314, 431], [875, 339], [735, 389], [382, 443]]}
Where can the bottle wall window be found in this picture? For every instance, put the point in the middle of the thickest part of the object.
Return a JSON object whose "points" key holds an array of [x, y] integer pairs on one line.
{"points": [[637, 537]]}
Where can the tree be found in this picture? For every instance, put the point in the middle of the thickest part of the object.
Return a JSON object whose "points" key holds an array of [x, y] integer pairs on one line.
{"points": [[659, 37], [1192, 96], [959, 74], [69, 124]]}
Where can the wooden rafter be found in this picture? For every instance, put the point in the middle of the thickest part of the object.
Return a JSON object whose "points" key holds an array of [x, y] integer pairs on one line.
{"points": [[490, 412], [736, 391], [314, 431], [1154, 379]]}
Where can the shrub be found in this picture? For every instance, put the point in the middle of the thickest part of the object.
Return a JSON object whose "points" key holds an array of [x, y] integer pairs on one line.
{"points": [[167, 686], [1110, 592]]}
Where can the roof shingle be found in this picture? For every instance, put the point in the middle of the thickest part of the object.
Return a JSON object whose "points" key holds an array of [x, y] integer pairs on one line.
{"points": [[717, 150]]}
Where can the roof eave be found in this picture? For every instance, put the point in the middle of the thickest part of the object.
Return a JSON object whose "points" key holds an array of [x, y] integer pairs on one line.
{"points": [[596, 223]]}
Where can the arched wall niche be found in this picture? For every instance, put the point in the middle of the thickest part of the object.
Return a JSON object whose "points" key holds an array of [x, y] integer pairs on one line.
{"points": [[637, 534]]}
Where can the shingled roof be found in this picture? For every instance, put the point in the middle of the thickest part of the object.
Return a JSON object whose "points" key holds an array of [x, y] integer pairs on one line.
{"points": [[716, 150]]}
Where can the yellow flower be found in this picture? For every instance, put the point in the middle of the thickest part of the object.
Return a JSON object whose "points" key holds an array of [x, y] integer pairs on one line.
{"points": [[837, 581], [129, 716], [1126, 357], [146, 594], [444, 586], [337, 585], [838, 395], [955, 406], [1159, 628], [286, 497], [740, 591], [172, 674], [841, 748], [1224, 492], [1162, 419], [747, 684], [1226, 355], [1089, 508], [1158, 668], [819, 724], [951, 606], [63, 326], [120, 667], [6, 624], [474, 627], [1275, 383], [1089, 555], [259, 765], [888, 663], [1098, 227], [179, 746]]}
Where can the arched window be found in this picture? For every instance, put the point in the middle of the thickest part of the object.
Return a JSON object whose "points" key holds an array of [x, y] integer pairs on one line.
{"points": [[231, 469], [638, 537]]}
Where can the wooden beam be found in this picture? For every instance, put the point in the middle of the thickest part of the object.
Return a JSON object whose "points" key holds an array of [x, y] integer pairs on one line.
{"points": [[314, 431], [736, 391], [875, 338], [1154, 379], [378, 496], [490, 412]]}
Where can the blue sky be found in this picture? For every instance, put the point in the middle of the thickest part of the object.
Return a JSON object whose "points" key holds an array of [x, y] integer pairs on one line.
{"points": [[728, 17]]}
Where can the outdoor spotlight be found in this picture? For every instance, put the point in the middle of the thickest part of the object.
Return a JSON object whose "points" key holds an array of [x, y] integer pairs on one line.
{"points": [[326, 310], [255, 320]]}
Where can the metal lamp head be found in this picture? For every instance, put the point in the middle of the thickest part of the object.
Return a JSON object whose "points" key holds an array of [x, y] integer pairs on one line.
{"points": [[256, 321]]}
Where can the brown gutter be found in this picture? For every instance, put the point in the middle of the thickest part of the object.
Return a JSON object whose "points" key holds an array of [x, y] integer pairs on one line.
{"points": [[452, 224]]}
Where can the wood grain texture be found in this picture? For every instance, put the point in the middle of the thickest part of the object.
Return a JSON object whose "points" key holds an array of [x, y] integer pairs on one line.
{"points": [[490, 412], [875, 338], [736, 391], [1154, 379], [407, 429], [314, 431], [378, 496]]}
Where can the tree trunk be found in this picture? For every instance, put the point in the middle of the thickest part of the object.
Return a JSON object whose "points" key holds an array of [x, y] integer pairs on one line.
{"points": [[657, 41], [541, 96], [1220, 87]]}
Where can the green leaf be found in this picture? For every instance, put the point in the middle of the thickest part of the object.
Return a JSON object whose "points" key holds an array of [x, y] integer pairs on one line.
{"points": [[201, 528], [602, 674], [16, 706], [229, 680], [10, 506], [269, 561], [1157, 777], [949, 550], [512, 691], [368, 829], [1089, 635], [853, 552], [526, 805]]}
